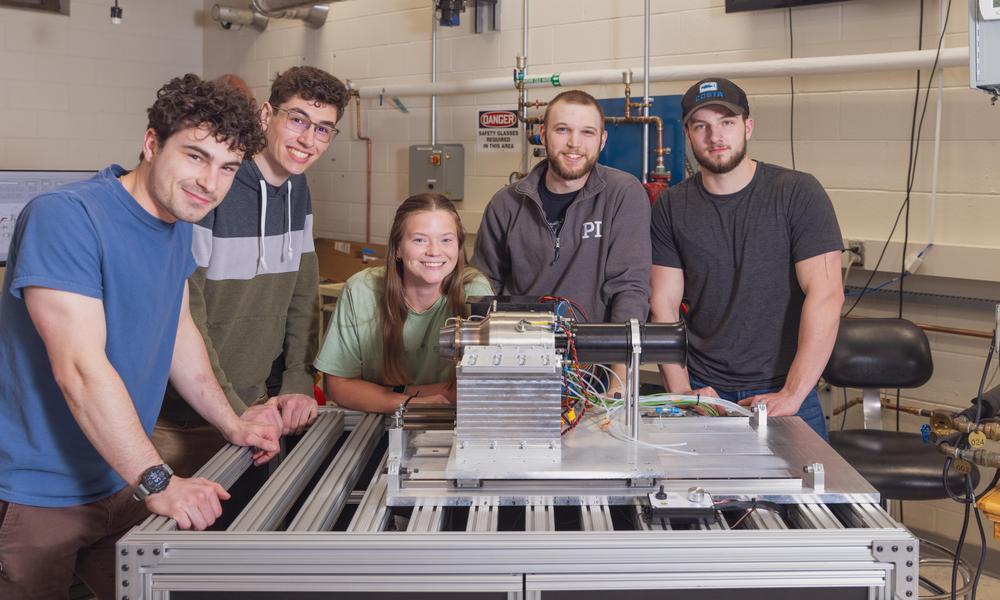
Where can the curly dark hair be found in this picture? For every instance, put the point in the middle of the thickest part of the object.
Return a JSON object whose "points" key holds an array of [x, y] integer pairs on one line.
{"points": [[190, 101], [310, 84]]}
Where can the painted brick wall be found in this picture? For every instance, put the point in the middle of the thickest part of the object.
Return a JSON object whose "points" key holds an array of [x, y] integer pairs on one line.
{"points": [[851, 131], [74, 89]]}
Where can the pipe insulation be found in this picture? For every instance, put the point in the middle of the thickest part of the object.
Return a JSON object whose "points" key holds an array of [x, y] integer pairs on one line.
{"points": [[817, 65]]}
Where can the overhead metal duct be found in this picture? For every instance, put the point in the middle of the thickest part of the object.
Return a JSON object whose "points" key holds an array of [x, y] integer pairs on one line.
{"points": [[266, 7], [228, 17], [313, 13]]}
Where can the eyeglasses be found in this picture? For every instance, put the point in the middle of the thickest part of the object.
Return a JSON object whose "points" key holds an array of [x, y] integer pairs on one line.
{"points": [[299, 123]]}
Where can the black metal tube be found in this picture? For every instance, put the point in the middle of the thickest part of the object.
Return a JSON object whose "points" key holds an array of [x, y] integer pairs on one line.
{"points": [[611, 343]]}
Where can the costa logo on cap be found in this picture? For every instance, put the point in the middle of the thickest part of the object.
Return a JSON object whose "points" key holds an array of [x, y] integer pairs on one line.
{"points": [[714, 91]]}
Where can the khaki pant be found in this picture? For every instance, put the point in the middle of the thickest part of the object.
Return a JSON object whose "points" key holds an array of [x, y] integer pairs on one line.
{"points": [[41, 548], [186, 447]]}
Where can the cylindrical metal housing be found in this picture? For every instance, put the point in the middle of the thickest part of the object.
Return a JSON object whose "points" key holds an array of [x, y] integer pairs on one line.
{"points": [[498, 329], [595, 342], [611, 343]]}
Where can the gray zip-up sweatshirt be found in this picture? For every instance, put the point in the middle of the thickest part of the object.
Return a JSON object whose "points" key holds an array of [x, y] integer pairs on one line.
{"points": [[600, 259]]}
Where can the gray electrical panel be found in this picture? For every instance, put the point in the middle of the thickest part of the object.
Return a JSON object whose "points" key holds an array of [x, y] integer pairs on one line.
{"points": [[438, 168], [984, 46]]}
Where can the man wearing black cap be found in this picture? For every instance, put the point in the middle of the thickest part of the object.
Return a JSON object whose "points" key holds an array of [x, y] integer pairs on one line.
{"points": [[755, 250]]}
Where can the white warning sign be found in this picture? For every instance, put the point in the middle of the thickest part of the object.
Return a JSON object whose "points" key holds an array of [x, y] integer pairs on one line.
{"points": [[498, 131]]}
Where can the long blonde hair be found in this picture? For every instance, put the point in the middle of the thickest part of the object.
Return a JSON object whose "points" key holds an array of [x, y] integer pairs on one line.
{"points": [[393, 309]]}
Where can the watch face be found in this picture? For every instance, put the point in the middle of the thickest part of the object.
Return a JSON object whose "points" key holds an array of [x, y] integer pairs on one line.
{"points": [[156, 479]]}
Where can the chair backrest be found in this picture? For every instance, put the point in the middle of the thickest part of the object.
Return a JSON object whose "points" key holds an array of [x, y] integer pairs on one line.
{"points": [[879, 353], [887, 353]]}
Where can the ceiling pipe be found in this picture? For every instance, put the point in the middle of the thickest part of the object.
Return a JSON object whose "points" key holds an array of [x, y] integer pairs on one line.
{"points": [[819, 65], [314, 16], [227, 17], [313, 13], [266, 7]]}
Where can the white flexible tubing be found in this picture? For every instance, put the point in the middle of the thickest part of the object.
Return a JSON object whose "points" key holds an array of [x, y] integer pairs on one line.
{"points": [[663, 447], [611, 373], [732, 406]]}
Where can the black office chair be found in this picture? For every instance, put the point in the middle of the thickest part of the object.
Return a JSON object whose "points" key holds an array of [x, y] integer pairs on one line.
{"points": [[888, 353]]}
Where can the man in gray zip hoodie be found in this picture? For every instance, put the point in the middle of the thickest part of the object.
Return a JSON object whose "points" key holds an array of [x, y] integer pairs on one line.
{"points": [[571, 228]]}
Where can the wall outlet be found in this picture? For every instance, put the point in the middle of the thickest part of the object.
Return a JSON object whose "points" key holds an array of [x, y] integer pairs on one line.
{"points": [[854, 254]]}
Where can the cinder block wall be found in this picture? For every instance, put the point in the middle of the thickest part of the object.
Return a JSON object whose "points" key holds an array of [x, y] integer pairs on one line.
{"points": [[74, 89], [852, 131], [74, 92]]}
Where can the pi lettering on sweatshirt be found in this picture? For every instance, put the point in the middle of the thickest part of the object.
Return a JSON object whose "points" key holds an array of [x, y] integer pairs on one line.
{"points": [[591, 228]]}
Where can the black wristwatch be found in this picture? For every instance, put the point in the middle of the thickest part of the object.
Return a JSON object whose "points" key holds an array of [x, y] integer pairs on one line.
{"points": [[153, 480]]}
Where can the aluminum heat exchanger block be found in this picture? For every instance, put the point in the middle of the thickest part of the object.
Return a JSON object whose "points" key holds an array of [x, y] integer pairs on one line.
{"points": [[510, 406]]}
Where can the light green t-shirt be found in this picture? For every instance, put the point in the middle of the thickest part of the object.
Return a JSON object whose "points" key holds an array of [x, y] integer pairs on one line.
{"points": [[353, 345]]}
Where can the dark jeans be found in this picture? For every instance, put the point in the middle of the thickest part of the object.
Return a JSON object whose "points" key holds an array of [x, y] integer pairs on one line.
{"points": [[811, 412]]}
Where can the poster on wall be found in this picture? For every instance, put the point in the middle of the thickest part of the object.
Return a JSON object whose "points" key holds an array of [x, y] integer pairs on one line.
{"points": [[498, 131]]}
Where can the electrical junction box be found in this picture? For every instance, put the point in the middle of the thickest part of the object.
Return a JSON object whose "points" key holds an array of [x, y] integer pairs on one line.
{"points": [[984, 45], [438, 168]]}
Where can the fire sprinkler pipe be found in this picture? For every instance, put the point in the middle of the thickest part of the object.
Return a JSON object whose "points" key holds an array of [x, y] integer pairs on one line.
{"points": [[817, 65]]}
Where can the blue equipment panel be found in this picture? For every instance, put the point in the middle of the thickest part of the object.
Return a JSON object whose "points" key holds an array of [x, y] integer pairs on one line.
{"points": [[624, 148]]}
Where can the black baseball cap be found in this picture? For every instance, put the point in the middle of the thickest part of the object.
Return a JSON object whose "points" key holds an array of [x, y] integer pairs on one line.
{"points": [[715, 90]]}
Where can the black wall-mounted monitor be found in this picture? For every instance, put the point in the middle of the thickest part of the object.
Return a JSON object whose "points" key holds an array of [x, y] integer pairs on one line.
{"points": [[744, 5]]}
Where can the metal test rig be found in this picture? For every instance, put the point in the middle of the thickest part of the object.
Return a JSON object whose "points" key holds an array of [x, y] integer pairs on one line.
{"points": [[492, 498]]}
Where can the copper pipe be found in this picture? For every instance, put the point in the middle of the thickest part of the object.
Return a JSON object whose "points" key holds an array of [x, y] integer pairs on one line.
{"points": [[976, 333], [920, 412], [841, 408], [660, 150], [985, 335], [628, 118], [886, 403], [522, 110], [991, 430], [983, 458], [368, 173]]}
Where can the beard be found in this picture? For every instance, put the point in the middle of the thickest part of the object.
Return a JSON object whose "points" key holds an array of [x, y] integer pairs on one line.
{"points": [[570, 174], [723, 167]]}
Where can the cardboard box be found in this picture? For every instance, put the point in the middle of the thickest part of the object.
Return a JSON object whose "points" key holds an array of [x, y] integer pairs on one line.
{"points": [[339, 259]]}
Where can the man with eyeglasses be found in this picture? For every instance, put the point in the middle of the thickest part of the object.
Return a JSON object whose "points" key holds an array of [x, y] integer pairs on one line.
{"points": [[254, 293]]}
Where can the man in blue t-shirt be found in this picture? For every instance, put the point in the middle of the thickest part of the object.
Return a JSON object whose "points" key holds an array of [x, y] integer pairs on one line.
{"points": [[95, 318], [755, 249]]}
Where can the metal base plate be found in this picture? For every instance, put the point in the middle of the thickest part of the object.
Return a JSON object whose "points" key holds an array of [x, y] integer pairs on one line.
{"points": [[726, 456]]}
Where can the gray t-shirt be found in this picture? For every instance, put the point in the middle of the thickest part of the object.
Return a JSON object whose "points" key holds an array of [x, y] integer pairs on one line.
{"points": [[738, 253]]}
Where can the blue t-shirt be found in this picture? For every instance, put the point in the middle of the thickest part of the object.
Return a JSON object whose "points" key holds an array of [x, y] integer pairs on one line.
{"points": [[90, 238]]}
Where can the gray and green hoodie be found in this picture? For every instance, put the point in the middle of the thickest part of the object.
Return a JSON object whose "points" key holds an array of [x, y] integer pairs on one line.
{"points": [[600, 257], [254, 294]]}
